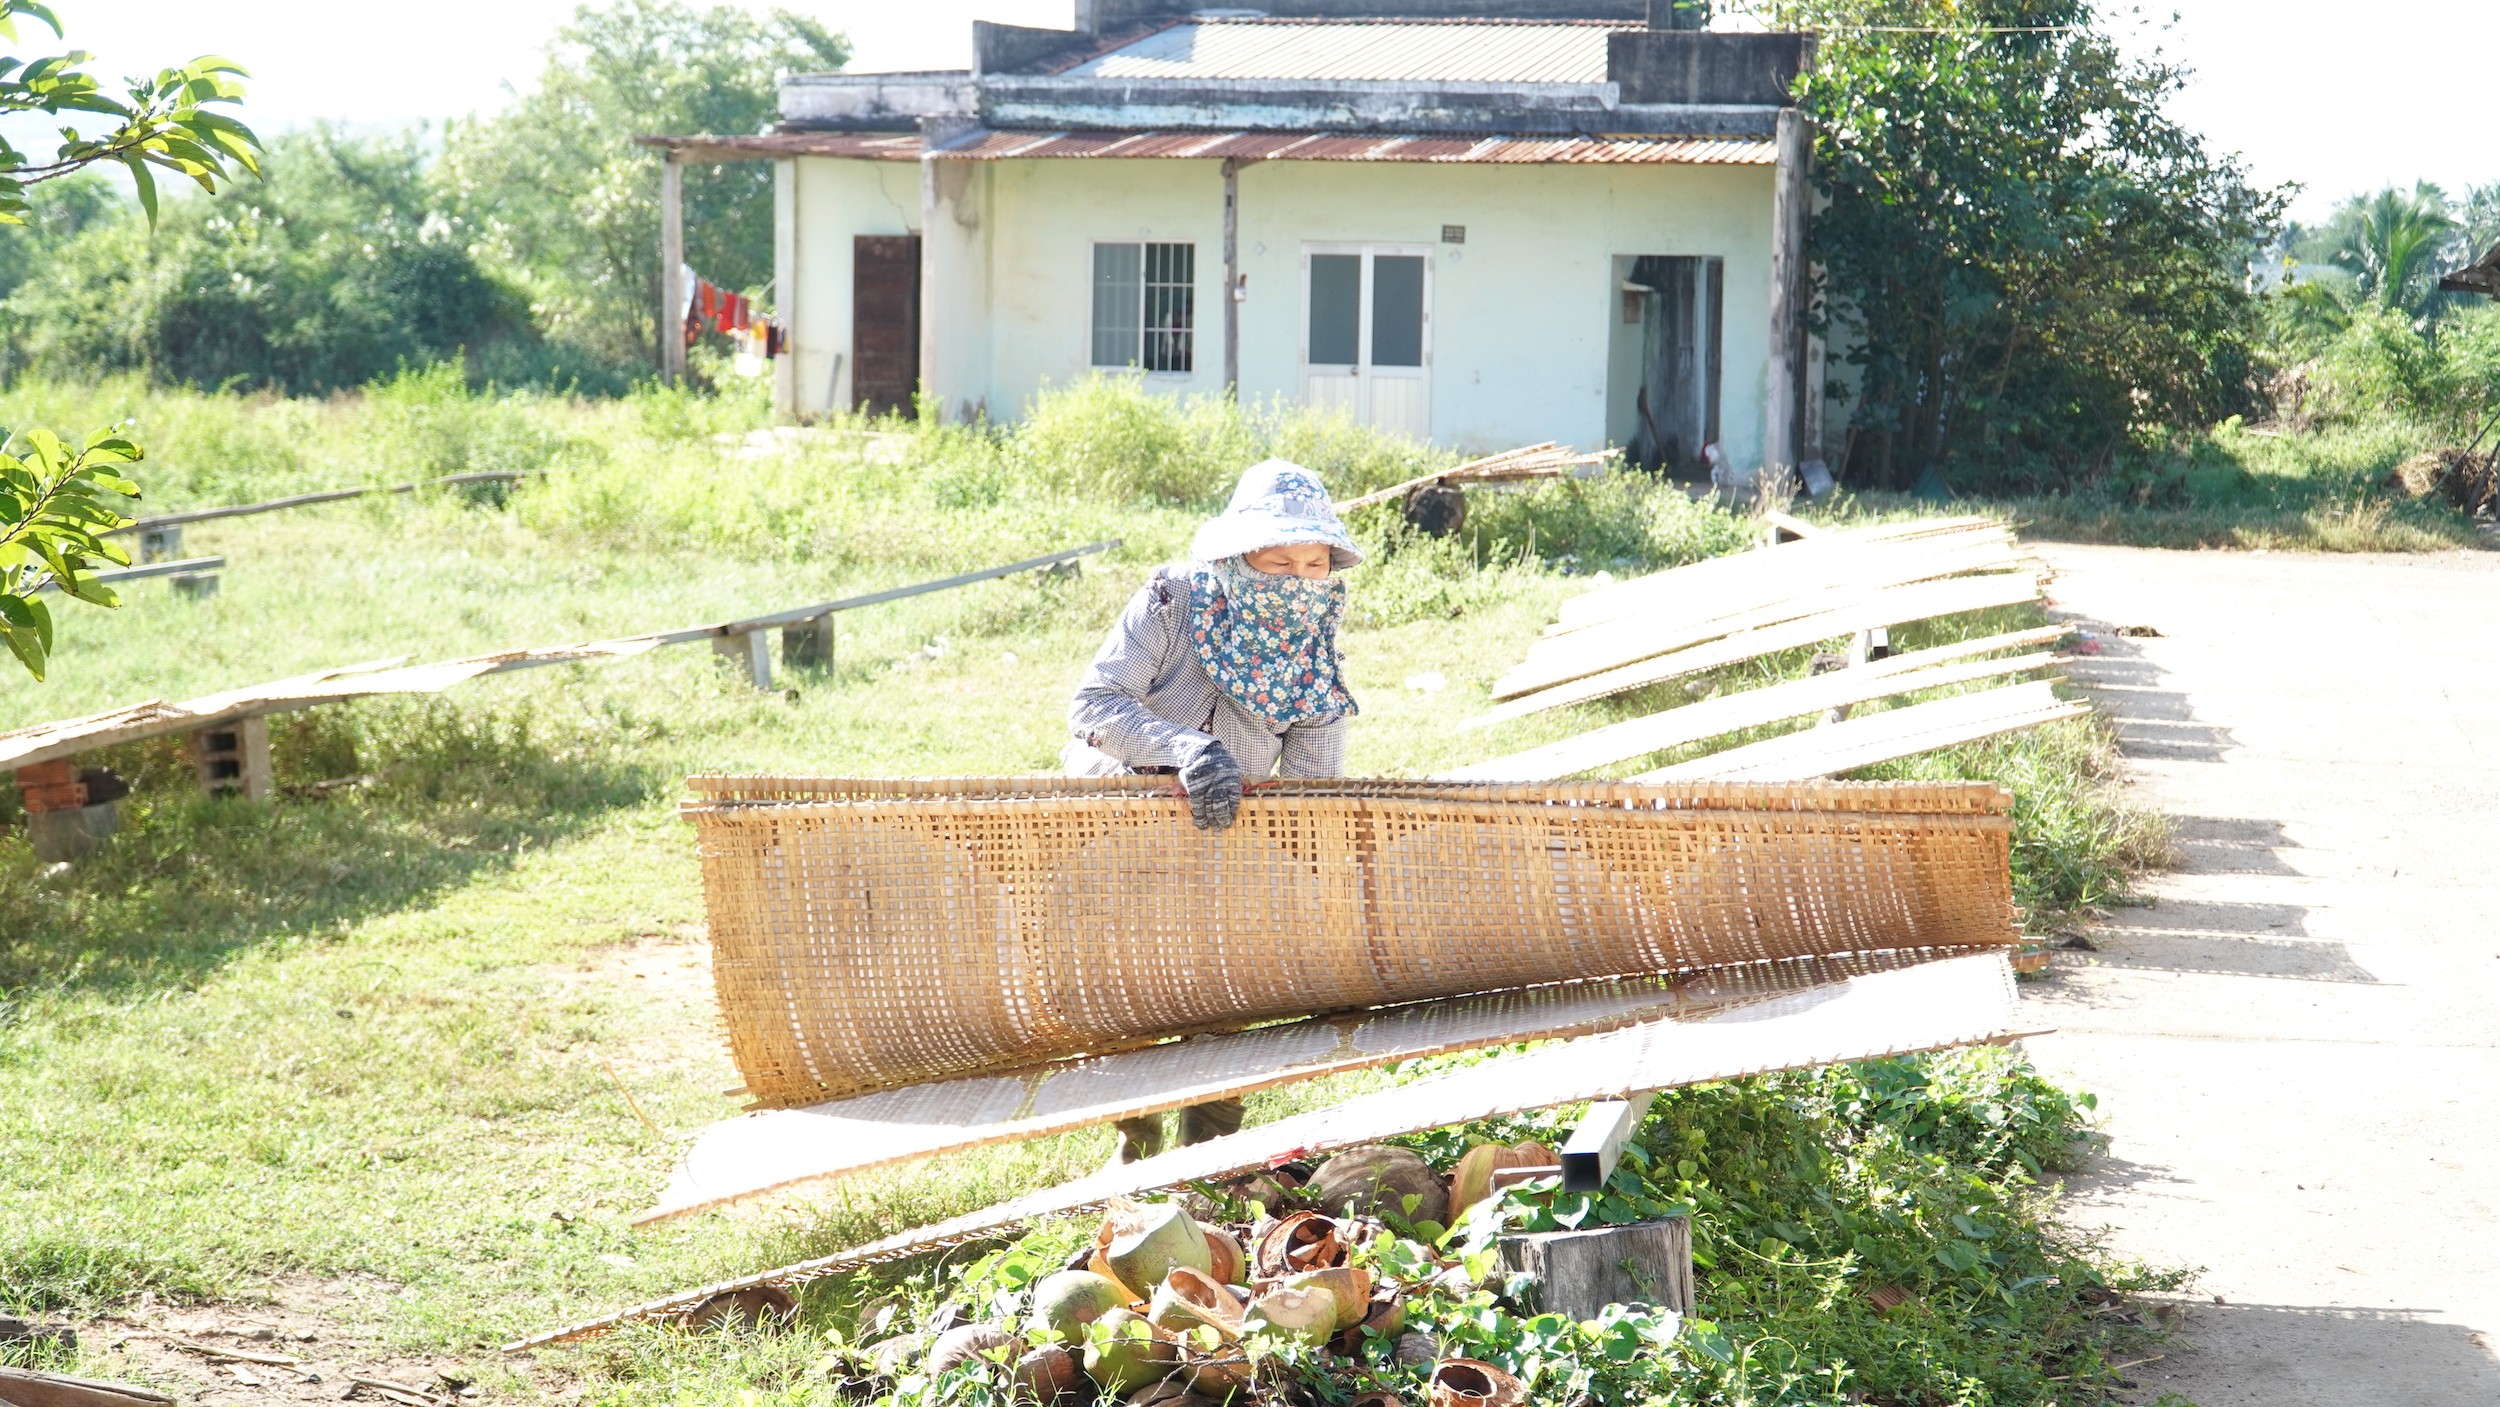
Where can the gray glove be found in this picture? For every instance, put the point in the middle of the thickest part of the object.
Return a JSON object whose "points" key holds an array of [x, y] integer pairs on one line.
{"points": [[1213, 781]]}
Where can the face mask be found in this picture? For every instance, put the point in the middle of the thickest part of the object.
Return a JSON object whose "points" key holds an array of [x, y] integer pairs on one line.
{"points": [[1270, 642]]}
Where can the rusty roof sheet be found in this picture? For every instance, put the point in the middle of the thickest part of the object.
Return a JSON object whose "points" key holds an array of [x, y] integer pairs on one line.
{"points": [[1442, 51], [1336, 146], [871, 146]]}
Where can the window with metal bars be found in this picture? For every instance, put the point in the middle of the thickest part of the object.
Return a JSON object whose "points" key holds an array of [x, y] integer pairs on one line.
{"points": [[1145, 305]]}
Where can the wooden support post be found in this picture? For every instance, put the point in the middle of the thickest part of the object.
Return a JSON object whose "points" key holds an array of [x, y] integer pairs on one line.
{"points": [[1861, 649], [1232, 277], [160, 544], [672, 270], [234, 757], [1578, 1273], [1597, 1144], [808, 644], [752, 649], [1783, 403]]}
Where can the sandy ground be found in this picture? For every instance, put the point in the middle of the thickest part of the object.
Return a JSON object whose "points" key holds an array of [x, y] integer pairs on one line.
{"points": [[2295, 1045]]}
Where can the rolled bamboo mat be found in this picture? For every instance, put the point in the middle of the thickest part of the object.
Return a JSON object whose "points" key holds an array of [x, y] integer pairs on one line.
{"points": [[1831, 1010], [871, 933]]}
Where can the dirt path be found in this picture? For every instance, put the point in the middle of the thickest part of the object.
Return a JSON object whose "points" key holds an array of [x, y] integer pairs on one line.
{"points": [[2297, 1047]]}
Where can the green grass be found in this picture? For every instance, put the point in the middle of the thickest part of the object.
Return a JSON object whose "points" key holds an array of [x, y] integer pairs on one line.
{"points": [[2324, 490], [370, 1030]]}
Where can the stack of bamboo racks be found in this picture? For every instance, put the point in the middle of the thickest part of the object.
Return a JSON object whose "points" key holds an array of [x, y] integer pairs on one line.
{"points": [[1728, 610], [1539, 461]]}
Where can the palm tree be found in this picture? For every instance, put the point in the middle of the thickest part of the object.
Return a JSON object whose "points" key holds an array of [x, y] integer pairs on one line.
{"points": [[2391, 240]]}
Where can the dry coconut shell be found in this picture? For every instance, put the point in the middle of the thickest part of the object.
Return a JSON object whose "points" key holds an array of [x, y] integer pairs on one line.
{"points": [[1376, 1399], [971, 1343], [1380, 1181], [1472, 1382], [1472, 1180], [1350, 1285], [758, 1307], [1307, 1313], [1226, 1261], [1299, 1242], [1190, 1298], [1417, 1350], [1048, 1375]]}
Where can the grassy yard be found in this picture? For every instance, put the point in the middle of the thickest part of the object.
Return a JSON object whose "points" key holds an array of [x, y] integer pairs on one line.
{"points": [[361, 1055]]}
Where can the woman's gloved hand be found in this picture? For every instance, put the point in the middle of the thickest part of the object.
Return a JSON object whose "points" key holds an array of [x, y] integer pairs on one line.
{"points": [[1213, 781]]}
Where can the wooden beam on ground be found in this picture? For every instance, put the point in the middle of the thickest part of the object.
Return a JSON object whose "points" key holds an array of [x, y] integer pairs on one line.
{"points": [[172, 522], [1753, 708], [45, 742], [1897, 606], [25, 1387], [1596, 1145], [137, 573], [1870, 738]]}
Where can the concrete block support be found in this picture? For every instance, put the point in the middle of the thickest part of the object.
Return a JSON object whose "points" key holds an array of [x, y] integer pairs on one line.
{"points": [[160, 544], [234, 757], [808, 644], [753, 654]]}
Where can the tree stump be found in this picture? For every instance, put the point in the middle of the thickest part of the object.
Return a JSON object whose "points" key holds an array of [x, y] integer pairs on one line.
{"points": [[1579, 1273]]}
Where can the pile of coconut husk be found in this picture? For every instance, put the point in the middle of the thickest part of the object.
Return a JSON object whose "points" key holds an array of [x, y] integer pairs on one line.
{"points": [[1172, 1304], [2468, 480]]}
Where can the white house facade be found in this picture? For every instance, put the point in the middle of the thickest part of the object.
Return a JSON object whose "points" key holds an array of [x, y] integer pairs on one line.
{"points": [[1553, 222]]}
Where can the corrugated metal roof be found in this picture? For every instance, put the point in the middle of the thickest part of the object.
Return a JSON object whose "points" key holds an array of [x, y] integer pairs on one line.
{"points": [[1334, 146], [1444, 51]]}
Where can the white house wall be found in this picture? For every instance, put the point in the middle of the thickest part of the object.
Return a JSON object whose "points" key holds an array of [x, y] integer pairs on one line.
{"points": [[1524, 312], [822, 203]]}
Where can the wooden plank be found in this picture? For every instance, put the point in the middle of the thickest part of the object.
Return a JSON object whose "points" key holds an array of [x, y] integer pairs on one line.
{"points": [[1577, 1274], [1596, 1144], [671, 323], [873, 598], [113, 574], [1898, 606], [1752, 708], [1762, 575], [156, 718], [1688, 619], [1880, 737], [163, 521], [24, 1387]]}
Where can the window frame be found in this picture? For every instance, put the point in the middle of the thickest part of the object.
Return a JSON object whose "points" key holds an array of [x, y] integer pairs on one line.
{"points": [[1182, 292]]}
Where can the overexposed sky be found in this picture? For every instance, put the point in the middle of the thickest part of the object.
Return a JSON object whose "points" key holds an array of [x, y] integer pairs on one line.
{"points": [[2336, 96]]}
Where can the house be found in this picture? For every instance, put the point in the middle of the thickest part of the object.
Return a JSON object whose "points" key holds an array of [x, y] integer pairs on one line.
{"points": [[2482, 276], [1484, 224]]}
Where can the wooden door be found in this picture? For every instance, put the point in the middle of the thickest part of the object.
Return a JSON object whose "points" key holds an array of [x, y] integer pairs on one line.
{"points": [[885, 322]]}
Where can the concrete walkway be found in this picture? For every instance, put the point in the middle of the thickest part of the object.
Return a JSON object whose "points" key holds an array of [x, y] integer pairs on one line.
{"points": [[2297, 1046]]}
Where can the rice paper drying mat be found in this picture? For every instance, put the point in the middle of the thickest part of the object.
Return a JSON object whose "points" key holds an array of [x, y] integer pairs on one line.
{"points": [[869, 934]]}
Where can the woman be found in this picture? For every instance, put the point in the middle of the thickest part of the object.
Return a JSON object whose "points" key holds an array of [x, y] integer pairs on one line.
{"points": [[1224, 668]]}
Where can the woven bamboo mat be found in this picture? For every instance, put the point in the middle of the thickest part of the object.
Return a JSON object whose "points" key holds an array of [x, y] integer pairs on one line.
{"points": [[869, 933], [1856, 1014]]}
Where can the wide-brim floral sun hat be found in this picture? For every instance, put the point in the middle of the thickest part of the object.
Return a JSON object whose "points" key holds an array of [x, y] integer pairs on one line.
{"points": [[1278, 503]]}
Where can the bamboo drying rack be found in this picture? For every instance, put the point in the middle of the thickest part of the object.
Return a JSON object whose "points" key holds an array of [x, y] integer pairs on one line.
{"points": [[873, 933]]}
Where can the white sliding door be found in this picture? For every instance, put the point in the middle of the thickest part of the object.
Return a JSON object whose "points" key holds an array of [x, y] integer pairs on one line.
{"points": [[1367, 334]]}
